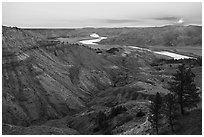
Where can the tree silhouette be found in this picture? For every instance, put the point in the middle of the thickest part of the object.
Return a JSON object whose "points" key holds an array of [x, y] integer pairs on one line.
{"points": [[184, 88], [170, 110], [156, 112]]}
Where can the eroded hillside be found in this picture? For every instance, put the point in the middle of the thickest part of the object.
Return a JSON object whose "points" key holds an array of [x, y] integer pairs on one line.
{"points": [[37, 85], [50, 87]]}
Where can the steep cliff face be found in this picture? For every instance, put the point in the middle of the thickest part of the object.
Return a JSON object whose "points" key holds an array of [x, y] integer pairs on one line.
{"points": [[37, 85]]}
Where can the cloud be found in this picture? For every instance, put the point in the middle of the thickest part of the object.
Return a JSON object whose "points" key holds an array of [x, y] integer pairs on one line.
{"points": [[116, 21], [167, 18]]}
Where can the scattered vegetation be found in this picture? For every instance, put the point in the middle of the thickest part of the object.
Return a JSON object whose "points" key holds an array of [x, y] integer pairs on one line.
{"points": [[140, 113], [112, 50], [184, 88], [117, 110], [183, 94], [191, 62]]}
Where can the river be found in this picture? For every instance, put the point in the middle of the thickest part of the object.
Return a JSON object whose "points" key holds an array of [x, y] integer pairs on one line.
{"points": [[165, 53], [93, 41]]}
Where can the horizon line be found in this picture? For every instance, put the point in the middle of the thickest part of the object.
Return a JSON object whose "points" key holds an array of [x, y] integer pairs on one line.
{"points": [[104, 27]]}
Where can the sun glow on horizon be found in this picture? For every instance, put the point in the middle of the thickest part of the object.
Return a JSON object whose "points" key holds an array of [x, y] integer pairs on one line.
{"points": [[180, 21]]}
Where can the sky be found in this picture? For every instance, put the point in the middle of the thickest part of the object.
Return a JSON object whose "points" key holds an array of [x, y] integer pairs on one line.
{"points": [[100, 14]]}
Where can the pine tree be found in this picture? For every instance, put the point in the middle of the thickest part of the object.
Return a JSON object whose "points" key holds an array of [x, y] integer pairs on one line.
{"points": [[156, 112], [170, 110], [184, 88]]}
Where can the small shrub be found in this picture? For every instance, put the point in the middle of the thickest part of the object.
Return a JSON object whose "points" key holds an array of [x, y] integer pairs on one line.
{"points": [[140, 114], [117, 110], [98, 52], [112, 50], [128, 118]]}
